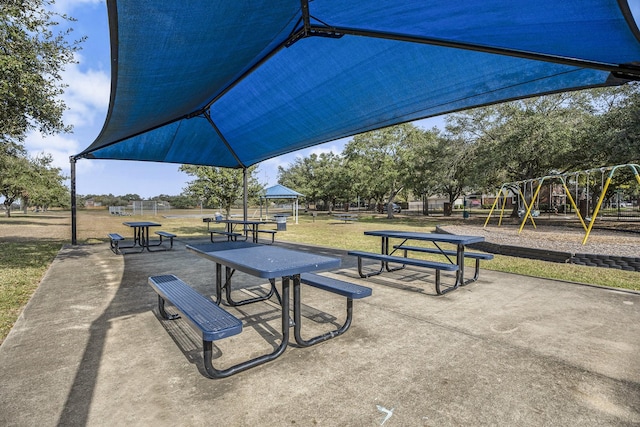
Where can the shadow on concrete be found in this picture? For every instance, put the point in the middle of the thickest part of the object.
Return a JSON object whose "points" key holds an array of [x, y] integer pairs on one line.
{"points": [[90, 349]]}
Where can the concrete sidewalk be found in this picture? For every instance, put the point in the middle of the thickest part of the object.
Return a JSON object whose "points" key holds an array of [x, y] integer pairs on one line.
{"points": [[90, 349]]}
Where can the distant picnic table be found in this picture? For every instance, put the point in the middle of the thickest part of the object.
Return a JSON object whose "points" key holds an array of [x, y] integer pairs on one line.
{"points": [[346, 217]]}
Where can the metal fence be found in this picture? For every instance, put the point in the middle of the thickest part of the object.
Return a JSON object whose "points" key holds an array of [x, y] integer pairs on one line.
{"points": [[141, 207]]}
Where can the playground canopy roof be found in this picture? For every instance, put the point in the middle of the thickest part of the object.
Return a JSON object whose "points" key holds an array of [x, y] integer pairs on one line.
{"points": [[280, 192], [233, 83]]}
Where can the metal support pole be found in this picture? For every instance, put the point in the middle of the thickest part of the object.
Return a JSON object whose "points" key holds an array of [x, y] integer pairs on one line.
{"points": [[245, 198], [595, 212], [504, 204], [573, 203], [530, 206], [74, 240], [493, 206], [602, 195]]}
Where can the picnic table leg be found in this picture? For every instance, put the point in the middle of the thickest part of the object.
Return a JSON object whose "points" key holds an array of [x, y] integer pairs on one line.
{"points": [[145, 237], [229, 230], [476, 273], [208, 346], [459, 273], [297, 319], [227, 285], [119, 247], [374, 273], [158, 243], [141, 237], [439, 289], [273, 284], [163, 312], [218, 283], [138, 238], [385, 251], [460, 260]]}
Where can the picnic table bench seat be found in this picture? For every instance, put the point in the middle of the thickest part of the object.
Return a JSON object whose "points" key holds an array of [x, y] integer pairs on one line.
{"points": [[346, 217], [385, 259], [167, 235], [114, 241], [473, 255], [206, 317], [346, 289], [271, 232]]}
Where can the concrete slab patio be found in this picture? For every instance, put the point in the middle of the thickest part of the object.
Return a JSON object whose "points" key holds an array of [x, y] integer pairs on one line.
{"points": [[91, 349]]}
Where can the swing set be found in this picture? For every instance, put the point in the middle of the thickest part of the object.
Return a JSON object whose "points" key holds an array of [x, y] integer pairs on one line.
{"points": [[518, 187]]}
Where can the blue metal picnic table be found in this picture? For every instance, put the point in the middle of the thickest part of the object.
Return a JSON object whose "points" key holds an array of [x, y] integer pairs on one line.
{"points": [[140, 234], [268, 262], [436, 238]]}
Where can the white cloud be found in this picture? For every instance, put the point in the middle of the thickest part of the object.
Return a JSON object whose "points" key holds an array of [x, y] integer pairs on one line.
{"points": [[38, 142], [66, 6], [59, 146], [87, 95], [268, 170]]}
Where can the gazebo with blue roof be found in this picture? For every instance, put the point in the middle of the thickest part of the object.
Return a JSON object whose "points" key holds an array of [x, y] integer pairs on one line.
{"points": [[281, 192]]}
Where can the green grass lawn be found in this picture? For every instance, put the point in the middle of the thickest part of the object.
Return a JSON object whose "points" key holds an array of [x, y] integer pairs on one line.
{"points": [[24, 259], [22, 265]]}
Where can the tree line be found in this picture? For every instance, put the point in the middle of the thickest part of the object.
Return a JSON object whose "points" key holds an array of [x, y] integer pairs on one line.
{"points": [[185, 200], [478, 150]]}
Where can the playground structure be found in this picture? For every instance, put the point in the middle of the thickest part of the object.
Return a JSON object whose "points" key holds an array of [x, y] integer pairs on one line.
{"points": [[521, 188]]}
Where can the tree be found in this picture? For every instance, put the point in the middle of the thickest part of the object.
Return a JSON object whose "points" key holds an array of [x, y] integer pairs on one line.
{"points": [[331, 179], [32, 180], [319, 177], [458, 157], [301, 175], [423, 166], [15, 173], [181, 201], [526, 139], [613, 135], [454, 158], [33, 56], [220, 187], [377, 160], [46, 186]]}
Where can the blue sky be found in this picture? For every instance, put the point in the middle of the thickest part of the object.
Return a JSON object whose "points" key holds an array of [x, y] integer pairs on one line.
{"points": [[87, 97]]}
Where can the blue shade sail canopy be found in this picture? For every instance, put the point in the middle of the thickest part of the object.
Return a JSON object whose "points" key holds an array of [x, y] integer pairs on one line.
{"points": [[233, 83]]}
